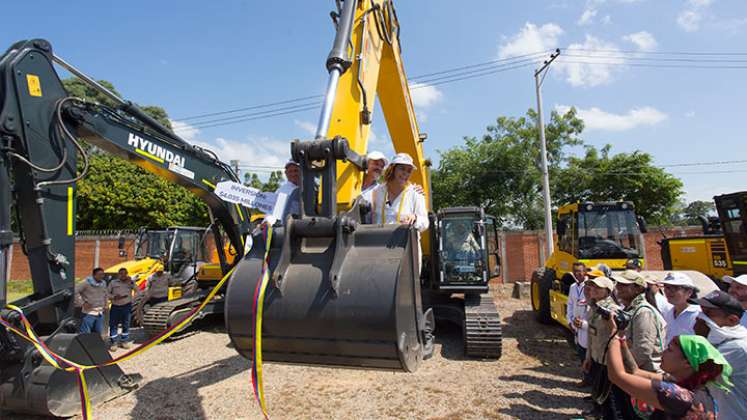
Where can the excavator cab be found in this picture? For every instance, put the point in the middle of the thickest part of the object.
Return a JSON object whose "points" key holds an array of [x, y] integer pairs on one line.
{"points": [[732, 212]]}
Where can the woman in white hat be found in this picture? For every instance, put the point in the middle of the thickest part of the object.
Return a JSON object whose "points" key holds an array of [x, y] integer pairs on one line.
{"points": [[396, 200]]}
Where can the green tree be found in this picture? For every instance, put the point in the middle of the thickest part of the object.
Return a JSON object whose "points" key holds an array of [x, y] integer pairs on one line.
{"points": [[600, 176], [697, 209], [117, 194], [501, 170], [272, 184]]}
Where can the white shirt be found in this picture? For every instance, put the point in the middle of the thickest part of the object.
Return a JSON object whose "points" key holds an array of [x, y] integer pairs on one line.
{"points": [[577, 308], [408, 202], [368, 191], [744, 319], [683, 324], [662, 304]]}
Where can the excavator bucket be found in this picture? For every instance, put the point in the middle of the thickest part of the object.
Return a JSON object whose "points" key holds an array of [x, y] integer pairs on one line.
{"points": [[341, 292], [33, 386], [355, 305]]}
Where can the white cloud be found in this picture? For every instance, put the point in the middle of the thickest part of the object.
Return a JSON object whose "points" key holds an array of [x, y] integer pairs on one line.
{"points": [[587, 17], [184, 130], [263, 151], [643, 40], [424, 95], [689, 114], [531, 39], [306, 126], [606, 20], [690, 18], [597, 119], [595, 68]]}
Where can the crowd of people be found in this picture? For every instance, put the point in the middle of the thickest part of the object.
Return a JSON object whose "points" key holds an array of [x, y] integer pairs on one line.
{"points": [[656, 349], [94, 295]]}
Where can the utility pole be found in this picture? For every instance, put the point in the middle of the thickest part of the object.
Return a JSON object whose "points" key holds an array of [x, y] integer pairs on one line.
{"points": [[543, 150]]}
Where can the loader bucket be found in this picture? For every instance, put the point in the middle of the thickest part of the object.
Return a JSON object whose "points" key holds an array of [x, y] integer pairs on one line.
{"points": [[33, 386], [372, 318]]}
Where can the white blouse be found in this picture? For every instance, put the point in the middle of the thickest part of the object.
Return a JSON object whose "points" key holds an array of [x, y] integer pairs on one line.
{"points": [[409, 202]]}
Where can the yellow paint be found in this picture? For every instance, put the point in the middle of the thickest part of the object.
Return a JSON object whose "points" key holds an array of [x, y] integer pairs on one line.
{"points": [[34, 85], [148, 155], [241, 213], [208, 183], [70, 215], [710, 256], [175, 293]]}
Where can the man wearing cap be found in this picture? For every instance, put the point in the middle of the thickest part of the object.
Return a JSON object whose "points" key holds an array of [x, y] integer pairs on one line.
{"points": [[375, 164], [293, 177], [600, 296], [738, 289], [646, 331], [720, 324], [679, 289]]}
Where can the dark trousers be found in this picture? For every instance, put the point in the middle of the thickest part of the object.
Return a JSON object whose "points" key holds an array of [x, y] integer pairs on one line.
{"points": [[120, 315], [618, 406]]}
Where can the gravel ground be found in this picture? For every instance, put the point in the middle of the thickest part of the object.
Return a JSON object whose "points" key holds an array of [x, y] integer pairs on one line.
{"points": [[201, 377]]}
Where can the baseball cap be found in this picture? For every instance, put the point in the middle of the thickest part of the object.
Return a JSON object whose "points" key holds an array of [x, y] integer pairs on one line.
{"points": [[742, 279], [593, 272], [678, 279], [292, 162], [603, 282], [403, 159], [630, 277], [718, 299], [376, 155]]}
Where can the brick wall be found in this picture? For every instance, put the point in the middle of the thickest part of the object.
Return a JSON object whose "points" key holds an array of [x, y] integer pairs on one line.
{"points": [[522, 253]]}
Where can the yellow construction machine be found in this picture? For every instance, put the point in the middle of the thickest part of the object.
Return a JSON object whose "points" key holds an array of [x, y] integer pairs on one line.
{"points": [[722, 248], [347, 293], [592, 233]]}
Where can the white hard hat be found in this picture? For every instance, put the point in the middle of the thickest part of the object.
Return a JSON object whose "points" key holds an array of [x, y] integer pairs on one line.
{"points": [[292, 162], [403, 159], [376, 155], [678, 279], [742, 279]]}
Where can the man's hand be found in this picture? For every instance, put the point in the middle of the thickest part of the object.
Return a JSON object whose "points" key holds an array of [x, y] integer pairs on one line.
{"points": [[409, 219], [418, 189], [577, 323]]}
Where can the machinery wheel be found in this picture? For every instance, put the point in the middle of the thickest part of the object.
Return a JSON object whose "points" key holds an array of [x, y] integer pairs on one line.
{"points": [[541, 284], [483, 337]]}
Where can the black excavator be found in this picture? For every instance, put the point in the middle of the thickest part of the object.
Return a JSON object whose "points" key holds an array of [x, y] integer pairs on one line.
{"points": [[40, 128]]}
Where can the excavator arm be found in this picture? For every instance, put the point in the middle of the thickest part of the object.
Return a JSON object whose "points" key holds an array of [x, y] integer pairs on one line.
{"points": [[40, 128]]}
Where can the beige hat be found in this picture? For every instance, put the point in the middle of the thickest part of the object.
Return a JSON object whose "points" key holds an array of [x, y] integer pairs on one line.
{"points": [[376, 155], [403, 159], [603, 282], [630, 277]]}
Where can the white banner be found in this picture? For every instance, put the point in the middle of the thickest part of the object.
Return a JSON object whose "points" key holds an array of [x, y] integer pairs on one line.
{"points": [[233, 192]]}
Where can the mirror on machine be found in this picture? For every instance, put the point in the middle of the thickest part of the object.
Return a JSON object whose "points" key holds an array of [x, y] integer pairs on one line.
{"points": [[462, 252]]}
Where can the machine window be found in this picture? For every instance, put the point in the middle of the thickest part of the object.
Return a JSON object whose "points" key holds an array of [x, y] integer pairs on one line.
{"points": [[608, 234]]}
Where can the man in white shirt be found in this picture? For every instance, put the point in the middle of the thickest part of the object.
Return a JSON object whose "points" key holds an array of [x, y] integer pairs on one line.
{"points": [[375, 165], [738, 289], [681, 317], [575, 312]]}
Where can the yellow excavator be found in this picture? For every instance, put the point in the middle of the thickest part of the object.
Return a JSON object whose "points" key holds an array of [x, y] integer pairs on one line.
{"points": [[347, 293]]}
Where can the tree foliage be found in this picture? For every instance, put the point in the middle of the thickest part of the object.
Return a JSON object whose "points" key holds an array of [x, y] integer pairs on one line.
{"points": [[501, 172], [117, 194], [697, 209], [599, 176], [272, 184]]}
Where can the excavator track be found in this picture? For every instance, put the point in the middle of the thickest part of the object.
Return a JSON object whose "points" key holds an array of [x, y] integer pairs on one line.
{"points": [[158, 318], [482, 327]]}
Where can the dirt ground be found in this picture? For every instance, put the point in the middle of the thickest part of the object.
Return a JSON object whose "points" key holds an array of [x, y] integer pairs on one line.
{"points": [[201, 377]]}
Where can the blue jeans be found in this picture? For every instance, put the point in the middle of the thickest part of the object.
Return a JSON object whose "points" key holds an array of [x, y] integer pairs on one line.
{"points": [[92, 324], [120, 315]]}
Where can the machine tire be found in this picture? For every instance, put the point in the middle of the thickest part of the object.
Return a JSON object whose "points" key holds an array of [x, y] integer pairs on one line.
{"points": [[541, 285]]}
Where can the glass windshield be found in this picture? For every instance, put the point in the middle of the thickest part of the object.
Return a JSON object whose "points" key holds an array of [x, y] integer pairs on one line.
{"points": [[608, 234], [462, 256], [153, 244]]}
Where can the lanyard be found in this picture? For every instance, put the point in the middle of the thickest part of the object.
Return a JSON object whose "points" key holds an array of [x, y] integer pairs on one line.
{"points": [[403, 195]]}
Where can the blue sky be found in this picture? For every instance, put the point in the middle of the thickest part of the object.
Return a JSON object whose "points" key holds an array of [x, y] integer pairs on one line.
{"points": [[193, 57]]}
